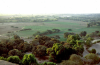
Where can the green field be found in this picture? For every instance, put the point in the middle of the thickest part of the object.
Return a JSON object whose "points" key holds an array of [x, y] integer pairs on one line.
{"points": [[76, 26]]}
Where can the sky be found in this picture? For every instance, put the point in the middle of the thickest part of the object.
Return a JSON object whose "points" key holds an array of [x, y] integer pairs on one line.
{"points": [[49, 6]]}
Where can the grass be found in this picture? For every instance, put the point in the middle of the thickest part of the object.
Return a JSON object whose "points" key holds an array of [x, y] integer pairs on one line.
{"points": [[76, 27]]}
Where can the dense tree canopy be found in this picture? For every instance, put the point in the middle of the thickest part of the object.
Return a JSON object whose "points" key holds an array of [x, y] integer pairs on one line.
{"points": [[39, 50]]}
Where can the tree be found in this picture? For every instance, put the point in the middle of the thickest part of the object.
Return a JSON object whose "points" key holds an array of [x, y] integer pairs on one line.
{"points": [[88, 41], [78, 49], [76, 58], [57, 52], [77, 37], [26, 47], [16, 37], [49, 44], [93, 56], [39, 50], [15, 52], [73, 60], [55, 30], [71, 39], [83, 33], [58, 48], [29, 59], [10, 44], [2, 58], [68, 33], [3, 48], [42, 39], [88, 25], [13, 59], [55, 40], [93, 51]]}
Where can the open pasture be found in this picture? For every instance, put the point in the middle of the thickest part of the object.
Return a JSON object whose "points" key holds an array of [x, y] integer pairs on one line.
{"points": [[63, 25]]}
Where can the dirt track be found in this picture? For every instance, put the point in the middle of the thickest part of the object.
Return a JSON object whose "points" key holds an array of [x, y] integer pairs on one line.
{"points": [[2, 62], [85, 51]]}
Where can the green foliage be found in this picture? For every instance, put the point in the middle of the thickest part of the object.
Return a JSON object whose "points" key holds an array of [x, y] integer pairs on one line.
{"points": [[72, 39], [46, 32], [49, 50], [79, 42], [48, 63], [29, 59], [79, 49], [58, 48], [2, 58], [63, 26], [93, 51], [58, 52], [88, 41], [74, 60], [76, 43], [3, 49], [77, 37], [92, 56], [13, 59]]}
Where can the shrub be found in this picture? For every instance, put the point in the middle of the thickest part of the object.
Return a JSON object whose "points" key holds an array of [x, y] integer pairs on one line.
{"points": [[29, 59], [15, 52], [48, 63], [2, 58], [76, 58], [69, 62], [16, 37], [57, 52], [49, 44], [93, 51], [26, 47], [92, 56], [13, 59]]}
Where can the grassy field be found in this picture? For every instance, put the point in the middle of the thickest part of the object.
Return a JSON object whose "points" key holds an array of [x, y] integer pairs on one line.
{"points": [[63, 25]]}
